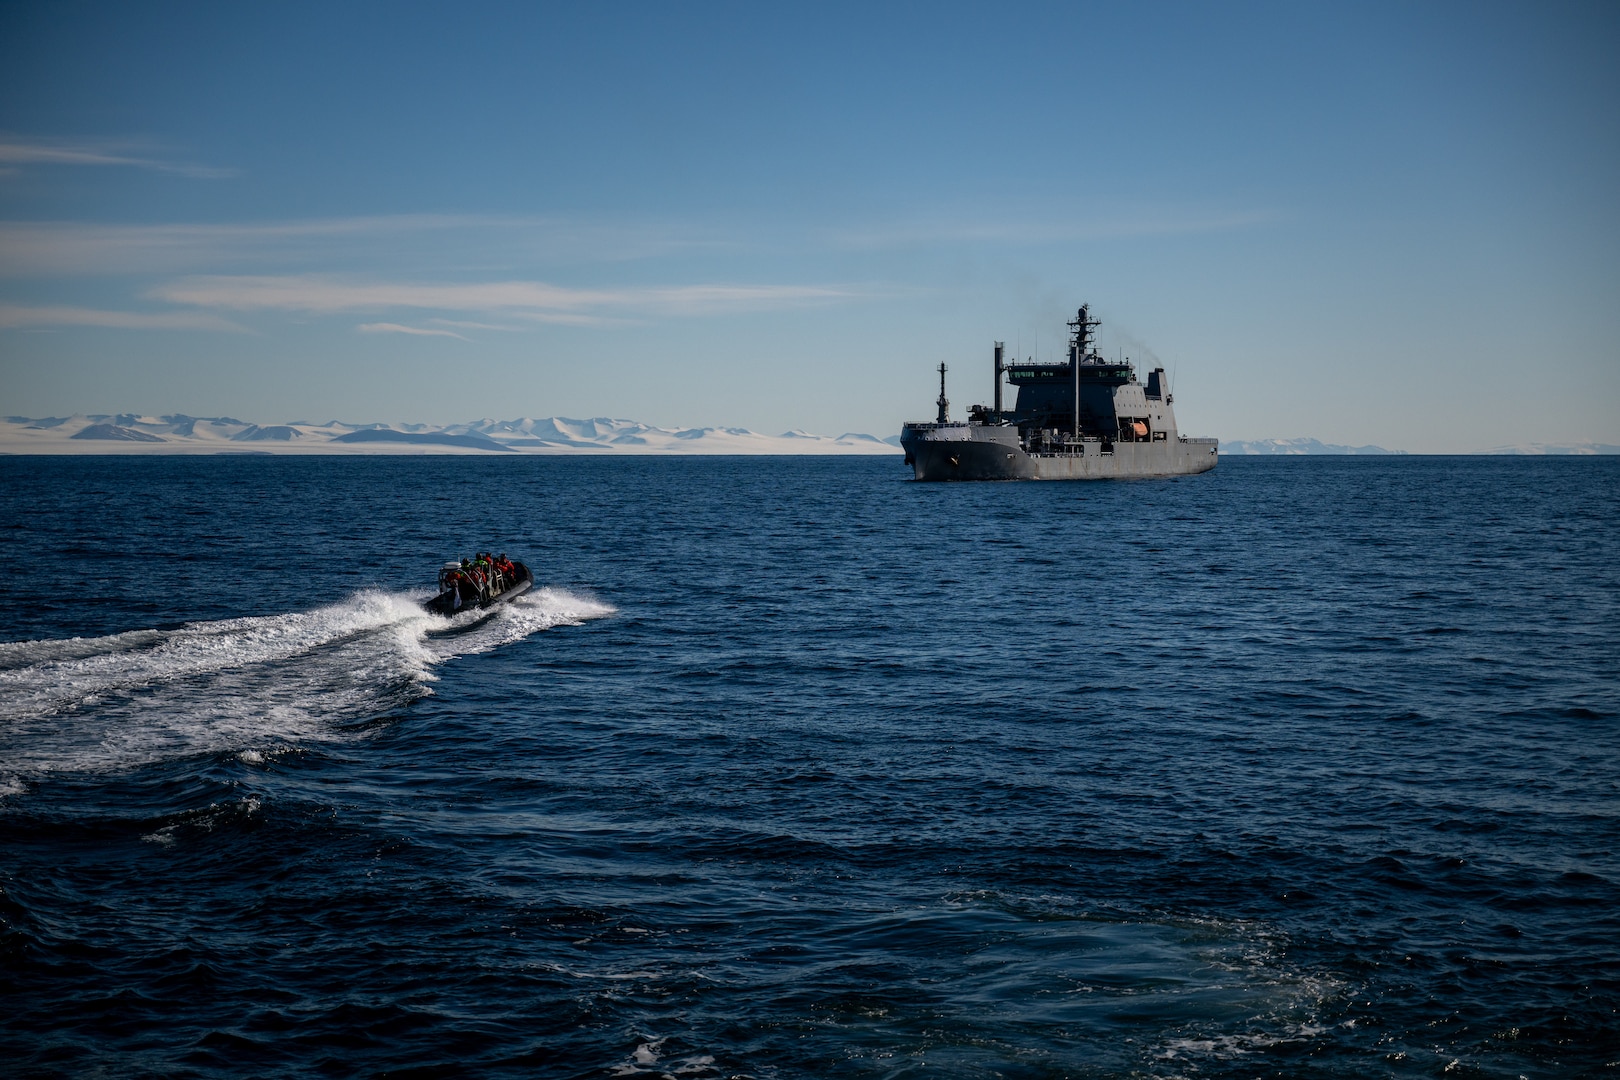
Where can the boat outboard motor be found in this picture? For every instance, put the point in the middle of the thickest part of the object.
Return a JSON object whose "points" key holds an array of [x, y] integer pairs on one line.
{"points": [[449, 582]]}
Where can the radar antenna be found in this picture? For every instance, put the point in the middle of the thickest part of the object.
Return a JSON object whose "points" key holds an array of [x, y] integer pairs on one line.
{"points": [[1082, 325]]}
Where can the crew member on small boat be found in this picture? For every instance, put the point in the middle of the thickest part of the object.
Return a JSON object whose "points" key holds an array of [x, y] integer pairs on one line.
{"points": [[484, 579]]}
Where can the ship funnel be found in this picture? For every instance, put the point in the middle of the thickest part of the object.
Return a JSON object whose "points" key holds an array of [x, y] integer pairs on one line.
{"points": [[1000, 368]]}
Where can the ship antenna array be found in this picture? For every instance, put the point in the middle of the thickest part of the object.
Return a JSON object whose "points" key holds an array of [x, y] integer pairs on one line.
{"points": [[1083, 324], [1079, 348]]}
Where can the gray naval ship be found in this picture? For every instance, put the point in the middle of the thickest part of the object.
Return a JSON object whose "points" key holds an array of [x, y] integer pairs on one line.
{"points": [[1088, 419]]}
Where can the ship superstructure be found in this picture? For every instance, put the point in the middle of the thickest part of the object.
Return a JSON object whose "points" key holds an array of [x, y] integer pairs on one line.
{"points": [[1087, 419]]}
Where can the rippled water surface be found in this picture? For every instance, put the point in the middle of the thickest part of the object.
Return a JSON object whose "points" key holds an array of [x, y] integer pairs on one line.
{"points": [[791, 767]]}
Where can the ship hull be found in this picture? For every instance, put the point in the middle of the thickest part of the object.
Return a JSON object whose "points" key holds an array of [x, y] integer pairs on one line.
{"points": [[983, 452]]}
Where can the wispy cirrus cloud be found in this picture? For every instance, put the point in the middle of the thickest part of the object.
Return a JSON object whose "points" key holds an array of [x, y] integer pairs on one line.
{"points": [[317, 294], [538, 300], [464, 324], [65, 248], [72, 248], [18, 151], [398, 328], [1035, 233], [519, 245], [15, 316]]}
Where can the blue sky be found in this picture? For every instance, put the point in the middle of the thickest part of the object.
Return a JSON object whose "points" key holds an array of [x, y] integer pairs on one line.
{"points": [[1391, 223]]}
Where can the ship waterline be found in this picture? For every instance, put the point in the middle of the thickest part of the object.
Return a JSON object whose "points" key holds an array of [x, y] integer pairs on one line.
{"points": [[1087, 419]]}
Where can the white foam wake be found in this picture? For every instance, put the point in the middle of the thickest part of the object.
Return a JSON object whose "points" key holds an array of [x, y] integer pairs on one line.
{"points": [[238, 685]]}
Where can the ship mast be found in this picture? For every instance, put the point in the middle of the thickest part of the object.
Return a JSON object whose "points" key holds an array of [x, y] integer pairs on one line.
{"points": [[1079, 348], [944, 405]]}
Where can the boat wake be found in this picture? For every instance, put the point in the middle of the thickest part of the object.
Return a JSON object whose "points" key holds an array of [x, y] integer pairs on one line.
{"points": [[237, 685]]}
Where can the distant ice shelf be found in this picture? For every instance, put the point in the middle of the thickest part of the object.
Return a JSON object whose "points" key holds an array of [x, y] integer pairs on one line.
{"points": [[1576, 449], [1238, 447]]}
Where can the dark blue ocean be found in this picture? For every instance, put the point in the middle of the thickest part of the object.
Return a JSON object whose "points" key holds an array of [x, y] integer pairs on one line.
{"points": [[1305, 767]]}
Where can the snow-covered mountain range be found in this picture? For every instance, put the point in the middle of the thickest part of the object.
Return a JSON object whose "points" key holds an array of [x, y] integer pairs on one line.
{"points": [[130, 433], [106, 433]]}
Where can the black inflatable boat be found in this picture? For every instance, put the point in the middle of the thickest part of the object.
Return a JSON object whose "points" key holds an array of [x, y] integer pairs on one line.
{"points": [[477, 583]]}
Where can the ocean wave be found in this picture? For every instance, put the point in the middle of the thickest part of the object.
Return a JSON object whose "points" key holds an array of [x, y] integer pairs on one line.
{"points": [[239, 685]]}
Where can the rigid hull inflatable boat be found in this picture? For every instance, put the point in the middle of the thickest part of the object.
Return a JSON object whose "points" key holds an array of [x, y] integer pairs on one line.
{"points": [[481, 582]]}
